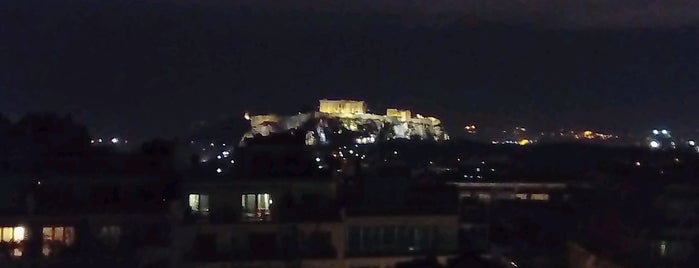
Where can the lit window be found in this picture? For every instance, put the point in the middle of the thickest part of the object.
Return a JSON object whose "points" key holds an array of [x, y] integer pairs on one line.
{"points": [[542, 197], [521, 196], [483, 196], [46, 249], [663, 248], [60, 234], [13, 234], [256, 206], [199, 203], [56, 238]]}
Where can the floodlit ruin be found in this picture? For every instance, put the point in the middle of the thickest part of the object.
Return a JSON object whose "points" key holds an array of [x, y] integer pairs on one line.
{"points": [[346, 119]]}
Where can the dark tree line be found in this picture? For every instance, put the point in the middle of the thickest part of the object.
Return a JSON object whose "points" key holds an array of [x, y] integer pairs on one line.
{"points": [[49, 142], [37, 138]]}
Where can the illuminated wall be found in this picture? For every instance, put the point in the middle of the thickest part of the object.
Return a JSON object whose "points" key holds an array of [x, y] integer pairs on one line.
{"points": [[342, 106], [263, 124], [257, 120], [400, 114]]}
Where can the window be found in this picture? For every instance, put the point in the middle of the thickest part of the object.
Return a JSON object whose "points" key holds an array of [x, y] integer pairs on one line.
{"points": [[12, 234], [397, 239], [663, 248], [111, 231], [17, 252], [256, 206], [60, 234], [354, 240], [199, 203], [483, 196], [542, 197]]}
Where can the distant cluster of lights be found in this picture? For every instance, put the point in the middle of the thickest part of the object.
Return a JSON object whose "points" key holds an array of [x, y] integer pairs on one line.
{"points": [[221, 156], [478, 171], [656, 142], [365, 140], [470, 129], [344, 152], [319, 163], [521, 142], [113, 140], [658, 132], [590, 135]]}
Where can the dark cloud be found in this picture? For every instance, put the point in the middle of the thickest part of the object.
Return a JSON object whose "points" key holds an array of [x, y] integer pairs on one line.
{"points": [[616, 14]]}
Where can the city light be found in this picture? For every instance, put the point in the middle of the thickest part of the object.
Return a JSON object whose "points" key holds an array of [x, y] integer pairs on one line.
{"points": [[655, 132], [219, 170], [524, 142], [470, 128], [19, 233], [664, 131], [691, 143], [654, 144], [115, 140]]}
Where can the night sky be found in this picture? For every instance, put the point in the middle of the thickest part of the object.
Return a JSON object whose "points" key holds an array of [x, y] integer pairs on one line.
{"points": [[154, 68]]}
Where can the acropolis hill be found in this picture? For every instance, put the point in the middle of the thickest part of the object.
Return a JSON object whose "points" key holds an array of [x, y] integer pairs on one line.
{"points": [[349, 117]]}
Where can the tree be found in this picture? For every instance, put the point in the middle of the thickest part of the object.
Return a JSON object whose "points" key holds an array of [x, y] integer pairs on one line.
{"points": [[54, 134], [42, 139]]}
